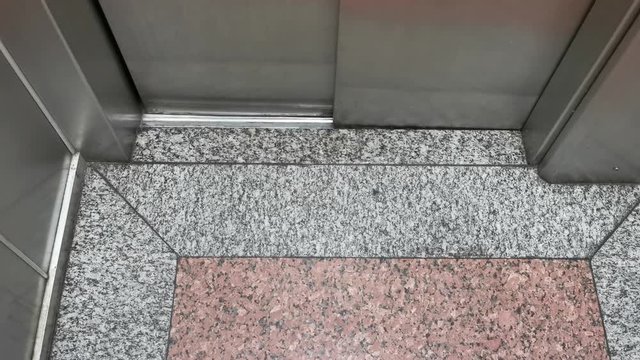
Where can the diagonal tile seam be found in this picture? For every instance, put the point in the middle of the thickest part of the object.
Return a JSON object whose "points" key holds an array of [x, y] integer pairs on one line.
{"points": [[148, 334], [635, 206], [135, 211], [604, 327], [615, 228], [173, 307], [593, 277]]}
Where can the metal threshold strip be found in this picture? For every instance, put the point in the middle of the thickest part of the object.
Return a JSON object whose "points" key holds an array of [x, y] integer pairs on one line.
{"points": [[166, 120]]}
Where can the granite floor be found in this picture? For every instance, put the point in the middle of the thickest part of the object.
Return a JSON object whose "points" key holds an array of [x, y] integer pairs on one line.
{"points": [[369, 210], [616, 268], [289, 243], [325, 146], [118, 291]]}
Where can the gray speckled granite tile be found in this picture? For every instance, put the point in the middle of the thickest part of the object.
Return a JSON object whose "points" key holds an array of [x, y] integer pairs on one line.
{"points": [[616, 269], [327, 146], [118, 290], [404, 211]]}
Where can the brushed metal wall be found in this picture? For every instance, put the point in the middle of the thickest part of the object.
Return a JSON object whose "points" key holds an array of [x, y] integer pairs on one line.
{"points": [[33, 163], [33, 168], [87, 34], [247, 57], [454, 64], [21, 291], [603, 28], [601, 141], [77, 97]]}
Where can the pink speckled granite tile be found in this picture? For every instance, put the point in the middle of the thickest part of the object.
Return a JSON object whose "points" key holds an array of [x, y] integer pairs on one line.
{"points": [[390, 309]]}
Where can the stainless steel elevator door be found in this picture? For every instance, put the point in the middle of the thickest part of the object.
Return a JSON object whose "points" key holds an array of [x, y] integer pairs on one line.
{"points": [[448, 63], [249, 57]]}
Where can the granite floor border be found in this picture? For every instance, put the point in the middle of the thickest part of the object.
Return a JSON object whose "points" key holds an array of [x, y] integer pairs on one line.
{"points": [[141, 163], [616, 266], [209, 145], [118, 178], [94, 251], [179, 256], [146, 221]]}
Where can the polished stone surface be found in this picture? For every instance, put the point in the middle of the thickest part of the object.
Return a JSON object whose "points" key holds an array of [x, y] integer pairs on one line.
{"points": [[326, 146], [370, 211], [388, 309], [616, 268], [118, 290]]}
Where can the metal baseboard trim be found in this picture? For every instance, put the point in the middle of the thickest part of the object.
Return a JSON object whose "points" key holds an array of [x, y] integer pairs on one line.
{"points": [[59, 255], [166, 120]]}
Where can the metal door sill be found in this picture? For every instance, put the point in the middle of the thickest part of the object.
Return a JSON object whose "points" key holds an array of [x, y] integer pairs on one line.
{"points": [[167, 120]]}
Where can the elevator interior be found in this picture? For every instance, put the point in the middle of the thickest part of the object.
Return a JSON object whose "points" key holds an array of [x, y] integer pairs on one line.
{"points": [[78, 77]]}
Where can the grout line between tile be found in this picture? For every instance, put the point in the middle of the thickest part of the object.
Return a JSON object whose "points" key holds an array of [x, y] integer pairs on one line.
{"points": [[604, 327], [173, 306], [636, 204], [380, 257], [231, 163], [135, 210]]}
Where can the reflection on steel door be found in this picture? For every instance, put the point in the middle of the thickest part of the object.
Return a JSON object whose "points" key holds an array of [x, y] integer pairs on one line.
{"points": [[249, 57]]}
